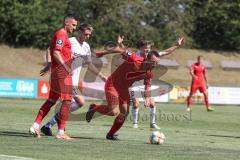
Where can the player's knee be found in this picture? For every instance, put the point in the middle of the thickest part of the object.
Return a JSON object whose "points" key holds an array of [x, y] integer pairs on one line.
{"points": [[115, 112], [152, 103], [79, 100]]}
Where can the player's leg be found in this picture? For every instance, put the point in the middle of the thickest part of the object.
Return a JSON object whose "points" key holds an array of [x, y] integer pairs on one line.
{"points": [[112, 107], [75, 105], [62, 119], [135, 112], [152, 112], [43, 111], [77, 102], [205, 94], [189, 98], [118, 122], [66, 96]]}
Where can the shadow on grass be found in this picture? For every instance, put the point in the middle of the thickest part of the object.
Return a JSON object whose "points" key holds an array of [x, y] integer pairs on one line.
{"points": [[88, 138], [225, 136], [15, 134]]}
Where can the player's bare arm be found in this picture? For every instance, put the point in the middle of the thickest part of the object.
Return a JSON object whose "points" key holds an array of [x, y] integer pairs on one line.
{"points": [[115, 50], [205, 78], [120, 39], [180, 42], [93, 69], [57, 56], [46, 68], [192, 74]]}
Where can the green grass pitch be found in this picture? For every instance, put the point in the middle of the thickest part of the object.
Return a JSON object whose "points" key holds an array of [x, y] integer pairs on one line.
{"points": [[200, 135]]}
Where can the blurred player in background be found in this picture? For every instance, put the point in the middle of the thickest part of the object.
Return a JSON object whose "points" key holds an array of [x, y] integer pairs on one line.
{"points": [[198, 73], [81, 56], [133, 69], [61, 79]]}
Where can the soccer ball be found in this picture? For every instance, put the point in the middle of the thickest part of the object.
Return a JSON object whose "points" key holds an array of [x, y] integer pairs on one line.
{"points": [[156, 137]]}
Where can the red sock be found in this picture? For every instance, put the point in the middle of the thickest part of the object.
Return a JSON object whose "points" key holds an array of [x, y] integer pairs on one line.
{"points": [[116, 125], [43, 111], [206, 101], [63, 115], [188, 102], [103, 109]]}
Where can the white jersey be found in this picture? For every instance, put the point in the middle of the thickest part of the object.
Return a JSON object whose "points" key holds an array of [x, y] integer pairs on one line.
{"points": [[81, 56]]}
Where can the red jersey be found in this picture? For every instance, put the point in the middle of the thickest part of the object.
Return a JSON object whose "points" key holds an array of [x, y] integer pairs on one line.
{"points": [[199, 71], [129, 72], [61, 43]]}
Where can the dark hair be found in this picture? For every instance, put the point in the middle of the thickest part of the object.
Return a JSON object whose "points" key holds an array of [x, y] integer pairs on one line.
{"points": [[70, 15], [85, 26], [143, 42], [152, 53]]}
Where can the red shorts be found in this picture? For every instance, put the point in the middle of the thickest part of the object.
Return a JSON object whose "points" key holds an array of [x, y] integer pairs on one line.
{"points": [[116, 96], [61, 88], [196, 86]]}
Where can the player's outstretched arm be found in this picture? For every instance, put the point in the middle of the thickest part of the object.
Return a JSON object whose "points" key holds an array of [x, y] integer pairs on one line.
{"points": [[180, 42], [114, 50]]}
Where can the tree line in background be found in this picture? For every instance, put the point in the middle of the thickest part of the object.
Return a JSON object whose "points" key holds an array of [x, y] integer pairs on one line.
{"points": [[207, 24]]}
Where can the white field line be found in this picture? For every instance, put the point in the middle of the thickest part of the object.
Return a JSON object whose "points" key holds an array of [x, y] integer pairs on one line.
{"points": [[10, 157]]}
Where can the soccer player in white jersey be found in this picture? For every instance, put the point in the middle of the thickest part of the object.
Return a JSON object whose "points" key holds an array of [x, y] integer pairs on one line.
{"points": [[81, 56]]}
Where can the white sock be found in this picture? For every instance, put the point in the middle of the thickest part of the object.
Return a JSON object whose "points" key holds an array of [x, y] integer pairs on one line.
{"points": [[52, 122], [74, 106], [135, 115], [60, 131], [152, 115], [35, 125]]}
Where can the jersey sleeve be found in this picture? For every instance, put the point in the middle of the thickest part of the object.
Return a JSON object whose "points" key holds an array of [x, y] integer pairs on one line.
{"points": [[88, 59], [60, 39]]}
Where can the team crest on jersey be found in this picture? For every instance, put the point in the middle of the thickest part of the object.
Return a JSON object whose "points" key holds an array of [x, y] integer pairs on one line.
{"points": [[129, 53], [59, 42]]}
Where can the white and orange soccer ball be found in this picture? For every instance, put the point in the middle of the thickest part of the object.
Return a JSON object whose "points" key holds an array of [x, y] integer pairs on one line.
{"points": [[156, 137]]}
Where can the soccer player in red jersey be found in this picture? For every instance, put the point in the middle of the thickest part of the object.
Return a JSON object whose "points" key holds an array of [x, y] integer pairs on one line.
{"points": [[61, 79], [198, 73], [133, 69]]}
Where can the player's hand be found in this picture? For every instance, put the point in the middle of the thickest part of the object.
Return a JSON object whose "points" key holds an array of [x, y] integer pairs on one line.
{"points": [[45, 70], [69, 71], [195, 77], [181, 41], [120, 39], [99, 54], [147, 102], [104, 78], [207, 85]]}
